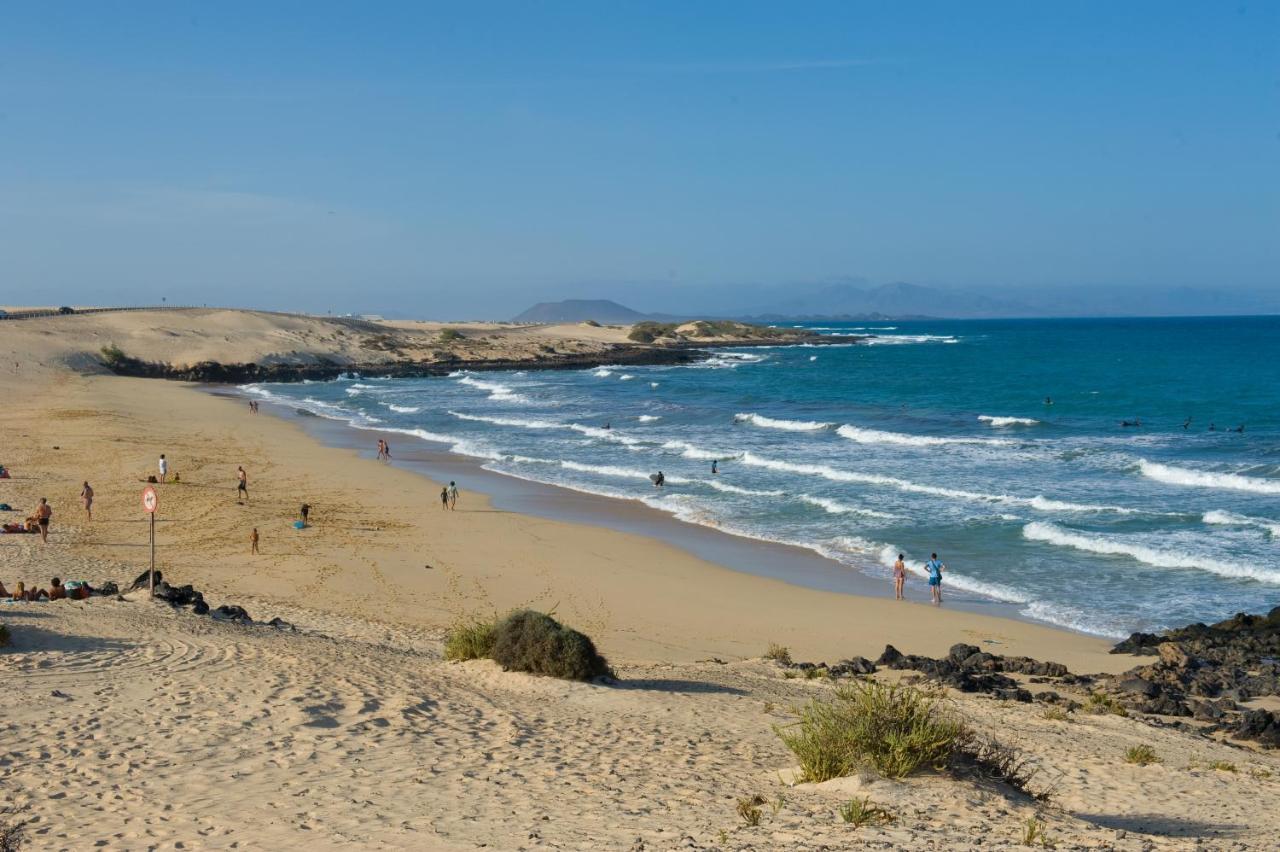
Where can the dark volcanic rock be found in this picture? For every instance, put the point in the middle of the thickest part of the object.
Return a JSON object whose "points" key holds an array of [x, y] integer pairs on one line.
{"points": [[1138, 686], [1262, 726], [231, 612], [889, 656]]}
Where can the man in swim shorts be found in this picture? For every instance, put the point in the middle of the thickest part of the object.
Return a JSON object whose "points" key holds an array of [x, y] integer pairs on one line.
{"points": [[242, 483], [935, 569], [43, 513]]}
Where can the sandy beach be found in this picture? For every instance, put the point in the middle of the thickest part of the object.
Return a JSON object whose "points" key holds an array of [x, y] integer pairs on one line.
{"points": [[132, 725]]}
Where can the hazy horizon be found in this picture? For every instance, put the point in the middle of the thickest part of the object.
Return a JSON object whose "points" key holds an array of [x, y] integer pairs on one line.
{"points": [[445, 161]]}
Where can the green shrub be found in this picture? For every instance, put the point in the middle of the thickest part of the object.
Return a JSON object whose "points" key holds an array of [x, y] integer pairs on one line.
{"points": [[860, 812], [778, 653], [1099, 703], [649, 331], [1223, 766], [893, 729], [528, 641], [449, 335], [469, 640], [1055, 714], [112, 355], [1142, 755]]}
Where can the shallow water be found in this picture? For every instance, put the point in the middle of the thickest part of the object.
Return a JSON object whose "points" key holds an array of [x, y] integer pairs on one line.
{"points": [[936, 436]]}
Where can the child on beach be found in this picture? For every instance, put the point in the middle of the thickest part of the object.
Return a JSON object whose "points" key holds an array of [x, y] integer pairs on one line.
{"points": [[444, 498], [253, 541], [899, 577], [935, 569]]}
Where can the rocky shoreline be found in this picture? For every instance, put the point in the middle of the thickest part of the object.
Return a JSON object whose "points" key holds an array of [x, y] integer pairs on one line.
{"points": [[1200, 672], [444, 362]]}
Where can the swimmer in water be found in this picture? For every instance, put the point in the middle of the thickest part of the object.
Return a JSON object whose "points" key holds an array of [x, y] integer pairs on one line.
{"points": [[1186, 423], [1048, 400], [715, 466]]}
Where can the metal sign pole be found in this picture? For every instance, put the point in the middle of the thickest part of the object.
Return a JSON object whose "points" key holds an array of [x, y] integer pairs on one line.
{"points": [[151, 580]]}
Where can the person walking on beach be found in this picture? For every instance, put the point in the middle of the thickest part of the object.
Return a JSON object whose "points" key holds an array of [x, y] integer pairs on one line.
{"points": [[253, 541], [86, 497], [303, 512], [43, 513], [935, 569], [444, 498], [899, 577], [453, 495], [382, 449], [386, 451], [164, 467], [242, 483]]}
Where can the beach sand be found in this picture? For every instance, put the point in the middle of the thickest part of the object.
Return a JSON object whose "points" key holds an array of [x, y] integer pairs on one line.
{"points": [[131, 725]]}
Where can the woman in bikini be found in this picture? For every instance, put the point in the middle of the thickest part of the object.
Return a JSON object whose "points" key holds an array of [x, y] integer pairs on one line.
{"points": [[899, 577]]}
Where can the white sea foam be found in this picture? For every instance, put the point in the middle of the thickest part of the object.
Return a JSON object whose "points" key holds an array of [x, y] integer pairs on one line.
{"points": [[619, 472], [876, 436], [1207, 479], [403, 409], [625, 377], [734, 489], [1007, 421], [602, 373], [835, 507], [653, 384], [497, 391], [1230, 519], [900, 339], [813, 357], [787, 425], [837, 475], [1111, 546], [535, 423], [648, 418], [691, 451], [886, 555], [728, 360], [1075, 619]]}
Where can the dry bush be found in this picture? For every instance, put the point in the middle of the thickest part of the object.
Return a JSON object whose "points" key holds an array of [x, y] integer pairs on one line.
{"points": [[528, 641]]}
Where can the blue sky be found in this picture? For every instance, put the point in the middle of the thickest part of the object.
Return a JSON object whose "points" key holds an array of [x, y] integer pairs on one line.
{"points": [[466, 159]]}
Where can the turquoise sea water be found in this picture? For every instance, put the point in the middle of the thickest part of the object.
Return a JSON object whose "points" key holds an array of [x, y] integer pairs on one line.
{"points": [[932, 436]]}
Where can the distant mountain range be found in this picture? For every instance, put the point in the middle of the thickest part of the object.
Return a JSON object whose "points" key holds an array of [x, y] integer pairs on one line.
{"points": [[902, 301]]}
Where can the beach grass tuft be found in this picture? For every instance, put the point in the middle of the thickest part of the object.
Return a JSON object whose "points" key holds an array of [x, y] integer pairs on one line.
{"points": [[534, 642], [1055, 714], [892, 729], [1223, 766], [778, 653], [450, 335], [1034, 834], [469, 640], [112, 355], [1099, 704], [860, 812], [749, 809], [1141, 755]]}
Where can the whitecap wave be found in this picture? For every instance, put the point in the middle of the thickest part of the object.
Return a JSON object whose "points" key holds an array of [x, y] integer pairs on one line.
{"points": [[901, 339], [1223, 518], [403, 409], [497, 391], [876, 436], [734, 489], [1207, 479], [648, 418], [1007, 421], [786, 425], [692, 451], [1111, 546], [626, 377], [835, 507]]}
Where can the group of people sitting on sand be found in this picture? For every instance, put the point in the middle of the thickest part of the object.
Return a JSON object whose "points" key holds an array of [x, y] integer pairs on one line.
{"points": [[75, 590]]}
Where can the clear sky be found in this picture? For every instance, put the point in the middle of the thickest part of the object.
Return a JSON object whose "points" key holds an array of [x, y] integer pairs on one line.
{"points": [[469, 158]]}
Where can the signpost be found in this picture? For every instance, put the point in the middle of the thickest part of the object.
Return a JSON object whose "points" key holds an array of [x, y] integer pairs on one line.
{"points": [[151, 502]]}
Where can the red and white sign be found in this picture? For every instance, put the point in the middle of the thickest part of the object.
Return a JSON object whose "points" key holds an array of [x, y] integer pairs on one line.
{"points": [[150, 501]]}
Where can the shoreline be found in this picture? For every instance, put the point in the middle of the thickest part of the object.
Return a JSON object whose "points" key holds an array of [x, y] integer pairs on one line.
{"points": [[792, 564]]}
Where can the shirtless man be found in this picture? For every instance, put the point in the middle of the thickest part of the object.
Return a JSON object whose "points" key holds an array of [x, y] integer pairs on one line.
{"points": [[42, 515], [86, 497], [242, 483]]}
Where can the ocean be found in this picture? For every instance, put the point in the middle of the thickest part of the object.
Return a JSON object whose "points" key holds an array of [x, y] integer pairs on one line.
{"points": [[997, 444]]}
